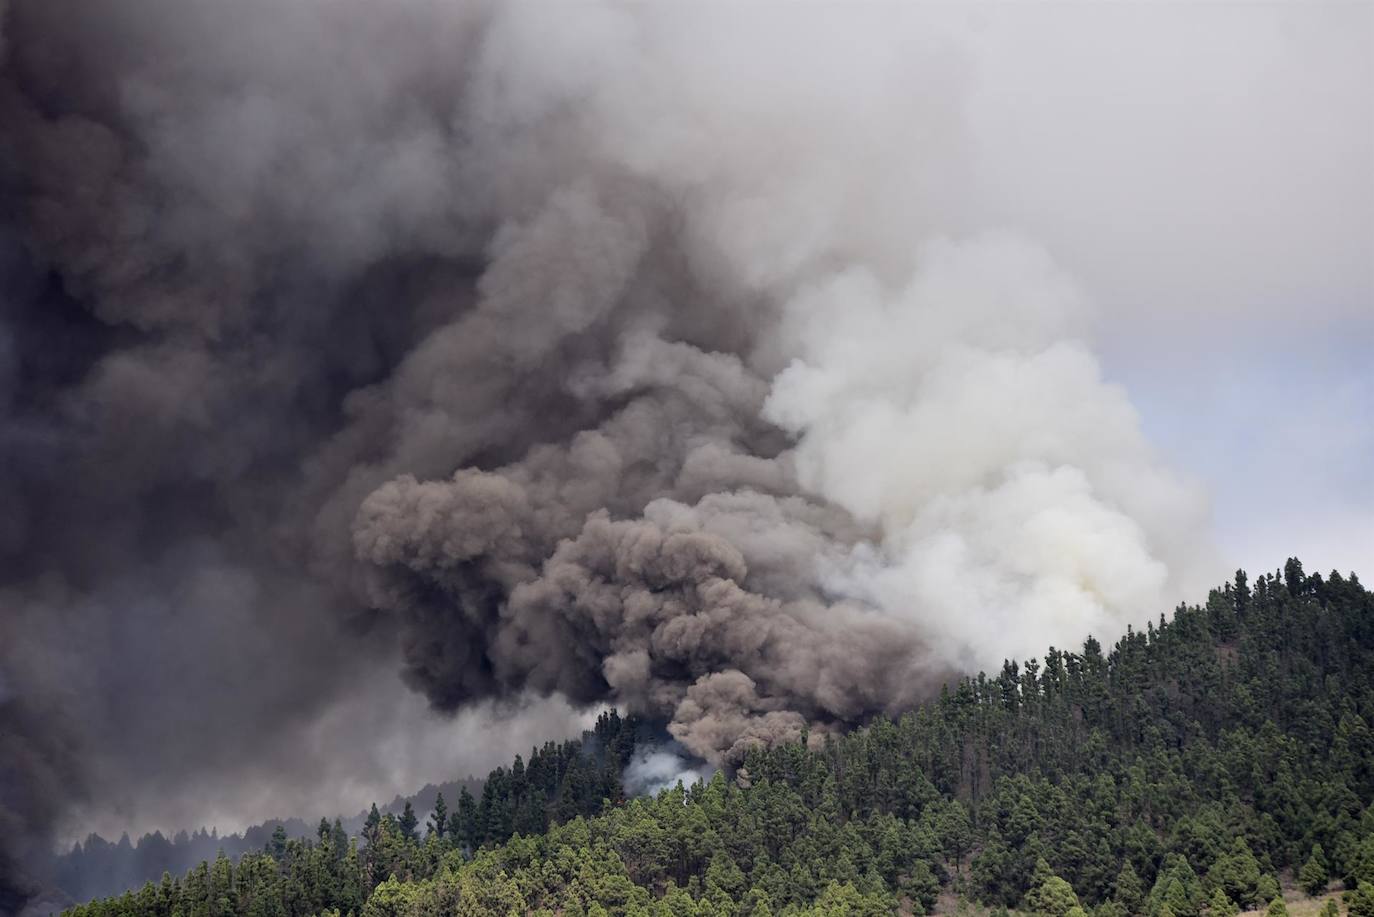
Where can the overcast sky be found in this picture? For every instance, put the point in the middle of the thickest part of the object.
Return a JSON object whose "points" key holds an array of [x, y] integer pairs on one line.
{"points": [[1218, 160]]}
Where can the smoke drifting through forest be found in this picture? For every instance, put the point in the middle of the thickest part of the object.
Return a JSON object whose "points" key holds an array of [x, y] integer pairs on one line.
{"points": [[604, 352]]}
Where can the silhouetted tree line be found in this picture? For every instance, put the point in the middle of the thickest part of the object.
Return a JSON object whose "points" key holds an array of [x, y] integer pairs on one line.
{"points": [[1190, 771], [97, 867]]}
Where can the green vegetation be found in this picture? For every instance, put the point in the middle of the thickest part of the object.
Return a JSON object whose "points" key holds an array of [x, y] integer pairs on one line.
{"points": [[1180, 775]]}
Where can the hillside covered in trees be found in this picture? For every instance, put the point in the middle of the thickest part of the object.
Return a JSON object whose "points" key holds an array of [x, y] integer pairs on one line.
{"points": [[1187, 771], [97, 867]]}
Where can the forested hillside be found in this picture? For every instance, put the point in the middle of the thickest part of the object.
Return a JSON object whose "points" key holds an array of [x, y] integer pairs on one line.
{"points": [[97, 867], [1190, 770], [561, 780]]}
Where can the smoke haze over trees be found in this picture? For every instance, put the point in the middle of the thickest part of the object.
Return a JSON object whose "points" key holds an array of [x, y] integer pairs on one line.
{"points": [[658, 357], [1183, 771], [96, 867]]}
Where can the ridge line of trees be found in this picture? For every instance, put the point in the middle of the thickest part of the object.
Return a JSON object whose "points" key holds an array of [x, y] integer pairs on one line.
{"points": [[1188, 772]]}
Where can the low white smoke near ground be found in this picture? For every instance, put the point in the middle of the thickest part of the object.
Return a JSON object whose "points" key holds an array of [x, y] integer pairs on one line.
{"points": [[655, 768]]}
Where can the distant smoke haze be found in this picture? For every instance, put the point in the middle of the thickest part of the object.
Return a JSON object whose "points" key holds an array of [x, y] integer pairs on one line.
{"points": [[733, 365]]}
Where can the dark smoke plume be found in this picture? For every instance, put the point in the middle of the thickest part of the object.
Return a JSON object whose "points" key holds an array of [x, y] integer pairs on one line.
{"points": [[524, 343]]}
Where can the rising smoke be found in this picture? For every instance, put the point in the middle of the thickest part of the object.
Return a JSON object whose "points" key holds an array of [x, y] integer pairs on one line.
{"points": [[558, 350]]}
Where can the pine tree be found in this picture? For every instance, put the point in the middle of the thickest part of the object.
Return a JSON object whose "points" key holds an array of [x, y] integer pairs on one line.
{"points": [[1221, 906], [438, 821], [372, 826], [1361, 902], [277, 846], [955, 832], [1129, 890], [1054, 897], [1177, 899], [467, 834], [1237, 872], [1177, 886], [338, 837], [1293, 577], [408, 822], [1313, 875]]}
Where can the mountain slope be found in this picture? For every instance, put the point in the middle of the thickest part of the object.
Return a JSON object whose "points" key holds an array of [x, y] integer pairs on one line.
{"points": [[97, 867], [1186, 770]]}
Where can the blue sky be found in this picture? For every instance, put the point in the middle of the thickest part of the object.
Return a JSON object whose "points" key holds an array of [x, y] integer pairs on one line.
{"points": [[1278, 423]]}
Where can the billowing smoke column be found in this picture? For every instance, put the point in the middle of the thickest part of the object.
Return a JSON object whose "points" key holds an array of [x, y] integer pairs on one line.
{"points": [[598, 351]]}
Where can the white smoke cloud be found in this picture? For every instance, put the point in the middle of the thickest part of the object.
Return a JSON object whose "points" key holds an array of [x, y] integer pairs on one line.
{"points": [[658, 767], [944, 390], [965, 415]]}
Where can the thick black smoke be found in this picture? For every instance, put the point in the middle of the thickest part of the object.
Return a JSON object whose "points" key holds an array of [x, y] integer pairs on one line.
{"points": [[182, 318], [332, 330], [306, 321]]}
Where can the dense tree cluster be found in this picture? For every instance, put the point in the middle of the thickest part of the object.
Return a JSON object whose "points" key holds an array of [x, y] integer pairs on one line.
{"points": [[1188, 772], [96, 867]]}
